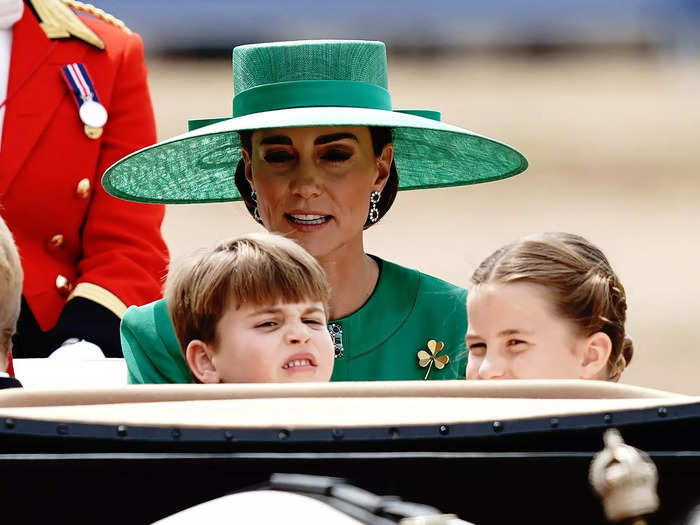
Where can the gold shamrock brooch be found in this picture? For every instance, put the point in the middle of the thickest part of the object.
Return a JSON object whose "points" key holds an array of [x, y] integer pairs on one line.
{"points": [[429, 358]]}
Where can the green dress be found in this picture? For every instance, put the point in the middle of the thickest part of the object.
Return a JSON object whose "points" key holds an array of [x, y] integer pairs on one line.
{"points": [[380, 341]]}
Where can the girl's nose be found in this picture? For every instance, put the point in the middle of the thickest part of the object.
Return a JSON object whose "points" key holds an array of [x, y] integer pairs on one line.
{"points": [[491, 368]]}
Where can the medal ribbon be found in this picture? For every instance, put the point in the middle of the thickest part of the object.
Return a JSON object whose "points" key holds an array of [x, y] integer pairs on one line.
{"points": [[79, 82]]}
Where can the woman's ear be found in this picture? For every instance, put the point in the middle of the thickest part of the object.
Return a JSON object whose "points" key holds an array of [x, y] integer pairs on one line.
{"points": [[245, 156], [596, 352], [198, 356], [384, 167]]}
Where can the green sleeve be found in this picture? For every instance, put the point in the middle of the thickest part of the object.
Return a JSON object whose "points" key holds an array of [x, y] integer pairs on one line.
{"points": [[151, 349]]}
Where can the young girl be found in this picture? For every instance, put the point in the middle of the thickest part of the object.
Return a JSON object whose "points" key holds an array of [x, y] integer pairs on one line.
{"points": [[547, 307]]}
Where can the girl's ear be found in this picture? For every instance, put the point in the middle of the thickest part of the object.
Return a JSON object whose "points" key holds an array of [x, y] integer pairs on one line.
{"points": [[198, 356], [596, 353], [384, 167]]}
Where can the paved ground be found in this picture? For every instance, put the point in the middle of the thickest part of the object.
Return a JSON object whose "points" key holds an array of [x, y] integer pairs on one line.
{"points": [[613, 148]]}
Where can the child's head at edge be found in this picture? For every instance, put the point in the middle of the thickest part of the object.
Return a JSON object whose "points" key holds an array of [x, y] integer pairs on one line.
{"points": [[242, 309], [10, 292], [564, 283]]}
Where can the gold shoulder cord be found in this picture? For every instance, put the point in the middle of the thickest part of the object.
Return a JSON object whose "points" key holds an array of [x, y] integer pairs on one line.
{"points": [[97, 13]]}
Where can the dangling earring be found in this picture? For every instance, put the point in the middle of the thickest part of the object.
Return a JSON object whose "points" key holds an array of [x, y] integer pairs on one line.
{"points": [[256, 212], [373, 210]]}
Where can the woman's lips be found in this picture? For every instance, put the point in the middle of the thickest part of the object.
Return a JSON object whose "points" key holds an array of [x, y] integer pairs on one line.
{"points": [[307, 221]]}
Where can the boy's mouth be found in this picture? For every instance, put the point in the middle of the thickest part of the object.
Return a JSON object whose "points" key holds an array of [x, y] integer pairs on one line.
{"points": [[299, 361]]}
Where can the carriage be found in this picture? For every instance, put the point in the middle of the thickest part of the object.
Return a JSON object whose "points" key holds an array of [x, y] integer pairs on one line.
{"points": [[490, 452]]}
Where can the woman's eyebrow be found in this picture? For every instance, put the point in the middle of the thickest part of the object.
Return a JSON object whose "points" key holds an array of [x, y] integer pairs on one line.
{"points": [[277, 139], [325, 139]]}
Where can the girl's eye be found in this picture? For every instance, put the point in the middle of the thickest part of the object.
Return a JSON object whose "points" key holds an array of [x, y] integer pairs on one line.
{"points": [[266, 324], [278, 157], [335, 155], [477, 349], [516, 344]]}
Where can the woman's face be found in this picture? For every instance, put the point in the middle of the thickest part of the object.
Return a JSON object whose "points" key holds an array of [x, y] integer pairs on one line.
{"points": [[313, 184], [514, 333]]}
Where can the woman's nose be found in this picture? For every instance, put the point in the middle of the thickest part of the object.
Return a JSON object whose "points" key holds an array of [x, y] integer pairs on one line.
{"points": [[307, 183]]}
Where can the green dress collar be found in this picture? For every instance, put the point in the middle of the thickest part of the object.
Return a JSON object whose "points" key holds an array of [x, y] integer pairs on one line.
{"points": [[383, 314]]}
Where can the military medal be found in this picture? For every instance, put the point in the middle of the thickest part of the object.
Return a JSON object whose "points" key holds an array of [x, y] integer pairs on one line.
{"points": [[92, 114]]}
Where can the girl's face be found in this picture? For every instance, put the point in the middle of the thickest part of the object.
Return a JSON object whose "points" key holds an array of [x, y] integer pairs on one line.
{"points": [[313, 184], [514, 333]]}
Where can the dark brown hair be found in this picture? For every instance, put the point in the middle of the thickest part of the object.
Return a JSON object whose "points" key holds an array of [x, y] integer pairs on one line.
{"points": [[258, 269], [381, 136], [578, 277]]}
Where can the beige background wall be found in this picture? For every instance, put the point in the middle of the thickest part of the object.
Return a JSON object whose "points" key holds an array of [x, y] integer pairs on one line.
{"points": [[613, 148]]}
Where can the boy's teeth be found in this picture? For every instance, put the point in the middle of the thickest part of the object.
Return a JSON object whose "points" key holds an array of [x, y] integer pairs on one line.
{"points": [[298, 362]]}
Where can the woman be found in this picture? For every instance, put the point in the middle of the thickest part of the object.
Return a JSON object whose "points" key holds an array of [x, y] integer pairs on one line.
{"points": [[317, 153]]}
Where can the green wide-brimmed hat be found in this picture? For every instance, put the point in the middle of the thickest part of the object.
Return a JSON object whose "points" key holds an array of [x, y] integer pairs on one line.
{"points": [[308, 83]]}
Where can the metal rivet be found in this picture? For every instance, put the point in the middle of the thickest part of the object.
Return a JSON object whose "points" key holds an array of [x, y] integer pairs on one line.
{"points": [[176, 433], [337, 434], [554, 422], [497, 426], [394, 433], [284, 434], [663, 412], [228, 435], [444, 430], [62, 429], [607, 418], [121, 430], [9, 423]]}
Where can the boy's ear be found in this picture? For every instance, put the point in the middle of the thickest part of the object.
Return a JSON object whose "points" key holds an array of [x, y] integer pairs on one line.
{"points": [[198, 356], [595, 357]]}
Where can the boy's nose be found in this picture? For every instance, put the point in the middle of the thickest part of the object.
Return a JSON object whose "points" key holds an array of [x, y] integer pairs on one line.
{"points": [[297, 334]]}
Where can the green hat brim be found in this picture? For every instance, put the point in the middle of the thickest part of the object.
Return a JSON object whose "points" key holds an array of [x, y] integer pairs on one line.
{"points": [[199, 166]]}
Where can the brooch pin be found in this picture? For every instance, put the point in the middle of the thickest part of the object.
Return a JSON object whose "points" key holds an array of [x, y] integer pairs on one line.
{"points": [[428, 359]]}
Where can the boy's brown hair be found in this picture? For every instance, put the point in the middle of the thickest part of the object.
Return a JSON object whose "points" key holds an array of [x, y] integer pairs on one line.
{"points": [[258, 269], [579, 279]]}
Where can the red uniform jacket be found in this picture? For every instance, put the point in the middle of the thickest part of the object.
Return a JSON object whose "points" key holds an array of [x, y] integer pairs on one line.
{"points": [[74, 239]]}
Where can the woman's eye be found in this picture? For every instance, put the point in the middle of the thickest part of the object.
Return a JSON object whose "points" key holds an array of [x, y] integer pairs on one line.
{"points": [[278, 157], [334, 155]]}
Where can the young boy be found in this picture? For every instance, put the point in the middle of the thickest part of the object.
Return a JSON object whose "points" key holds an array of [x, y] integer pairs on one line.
{"points": [[253, 310], [10, 299]]}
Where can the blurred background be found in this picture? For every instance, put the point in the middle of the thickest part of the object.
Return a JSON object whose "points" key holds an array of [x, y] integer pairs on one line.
{"points": [[602, 97]]}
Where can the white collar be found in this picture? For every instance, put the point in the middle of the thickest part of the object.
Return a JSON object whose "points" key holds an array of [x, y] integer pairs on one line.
{"points": [[10, 12]]}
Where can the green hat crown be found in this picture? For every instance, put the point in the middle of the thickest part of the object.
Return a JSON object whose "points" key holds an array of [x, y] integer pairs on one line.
{"points": [[341, 73], [259, 64]]}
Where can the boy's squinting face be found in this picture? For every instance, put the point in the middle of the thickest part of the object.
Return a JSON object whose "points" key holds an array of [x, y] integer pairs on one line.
{"points": [[515, 334], [274, 343]]}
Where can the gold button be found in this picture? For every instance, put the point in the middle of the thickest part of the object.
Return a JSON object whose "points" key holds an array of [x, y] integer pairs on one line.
{"points": [[82, 190], [63, 285], [55, 242]]}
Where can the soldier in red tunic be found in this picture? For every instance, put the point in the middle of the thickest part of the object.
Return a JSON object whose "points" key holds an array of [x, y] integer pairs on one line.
{"points": [[76, 101]]}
